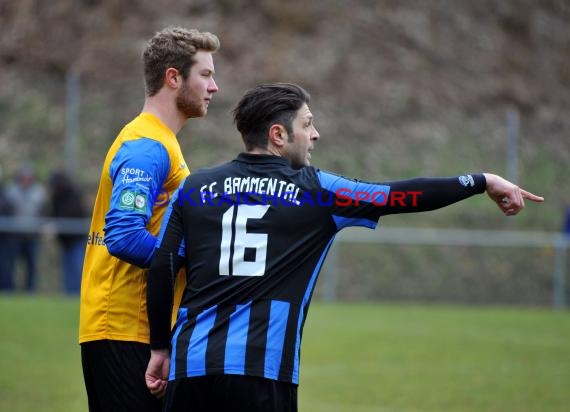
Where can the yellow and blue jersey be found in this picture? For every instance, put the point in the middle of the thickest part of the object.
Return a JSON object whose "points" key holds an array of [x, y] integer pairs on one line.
{"points": [[141, 171]]}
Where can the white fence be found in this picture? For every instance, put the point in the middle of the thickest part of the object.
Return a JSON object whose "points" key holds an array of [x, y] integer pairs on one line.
{"points": [[455, 237], [387, 235]]}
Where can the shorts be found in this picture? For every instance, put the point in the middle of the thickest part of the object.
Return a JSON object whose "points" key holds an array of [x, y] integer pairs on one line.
{"points": [[235, 393], [114, 376]]}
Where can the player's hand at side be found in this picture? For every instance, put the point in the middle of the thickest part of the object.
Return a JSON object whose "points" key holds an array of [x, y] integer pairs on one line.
{"points": [[156, 375], [508, 196]]}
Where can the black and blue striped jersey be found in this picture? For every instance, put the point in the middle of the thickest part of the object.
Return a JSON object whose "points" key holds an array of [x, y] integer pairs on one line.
{"points": [[253, 234]]}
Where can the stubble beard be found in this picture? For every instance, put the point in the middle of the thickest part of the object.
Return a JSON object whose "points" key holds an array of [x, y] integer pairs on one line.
{"points": [[188, 104], [299, 160]]}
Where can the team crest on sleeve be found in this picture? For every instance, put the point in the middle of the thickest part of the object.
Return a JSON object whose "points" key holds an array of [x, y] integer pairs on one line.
{"points": [[133, 201], [467, 181], [140, 202]]}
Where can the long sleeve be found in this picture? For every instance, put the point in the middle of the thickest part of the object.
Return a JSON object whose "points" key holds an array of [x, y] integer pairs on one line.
{"points": [[429, 193], [167, 261], [359, 203], [138, 171]]}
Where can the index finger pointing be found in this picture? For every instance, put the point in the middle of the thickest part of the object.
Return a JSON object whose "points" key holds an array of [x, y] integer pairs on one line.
{"points": [[531, 196]]}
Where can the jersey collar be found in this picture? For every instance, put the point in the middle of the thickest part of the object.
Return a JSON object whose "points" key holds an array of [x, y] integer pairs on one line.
{"points": [[262, 159]]}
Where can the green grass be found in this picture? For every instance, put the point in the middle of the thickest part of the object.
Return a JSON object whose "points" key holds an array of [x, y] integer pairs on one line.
{"points": [[370, 357], [355, 357], [40, 363]]}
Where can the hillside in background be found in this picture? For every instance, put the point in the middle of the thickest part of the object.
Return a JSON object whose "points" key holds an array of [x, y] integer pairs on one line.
{"points": [[399, 88]]}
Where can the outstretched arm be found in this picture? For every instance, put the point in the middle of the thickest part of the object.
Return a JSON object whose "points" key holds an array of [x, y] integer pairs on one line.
{"points": [[359, 203], [508, 196], [435, 193]]}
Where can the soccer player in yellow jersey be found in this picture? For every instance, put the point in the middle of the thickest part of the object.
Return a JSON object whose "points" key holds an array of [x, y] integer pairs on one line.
{"points": [[142, 169]]}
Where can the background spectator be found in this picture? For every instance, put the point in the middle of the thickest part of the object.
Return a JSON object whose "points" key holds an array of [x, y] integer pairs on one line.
{"points": [[27, 197], [6, 241], [66, 201]]}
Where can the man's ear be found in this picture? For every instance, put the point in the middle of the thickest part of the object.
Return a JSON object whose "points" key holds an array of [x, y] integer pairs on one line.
{"points": [[277, 135], [171, 78]]}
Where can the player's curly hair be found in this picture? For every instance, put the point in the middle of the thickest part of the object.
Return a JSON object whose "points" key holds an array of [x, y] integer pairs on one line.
{"points": [[265, 105], [173, 47]]}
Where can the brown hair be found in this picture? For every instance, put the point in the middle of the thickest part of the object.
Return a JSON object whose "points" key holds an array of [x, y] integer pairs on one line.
{"points": [[173, 47], [265, 105]]}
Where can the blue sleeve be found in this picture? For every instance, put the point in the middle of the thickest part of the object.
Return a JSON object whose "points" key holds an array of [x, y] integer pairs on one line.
{"points": [[355, 202], [138, 171]]}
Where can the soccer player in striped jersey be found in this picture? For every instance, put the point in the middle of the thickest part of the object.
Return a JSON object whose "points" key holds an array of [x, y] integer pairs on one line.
{"points": [[143, 166], [253, 234]]}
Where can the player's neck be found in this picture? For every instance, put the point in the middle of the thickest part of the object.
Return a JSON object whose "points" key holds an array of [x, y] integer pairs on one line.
{"points": [[263, 151], [165, 109]]}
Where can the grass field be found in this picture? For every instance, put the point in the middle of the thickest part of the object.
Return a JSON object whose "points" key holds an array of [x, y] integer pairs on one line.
{"points": [[355, 357]]}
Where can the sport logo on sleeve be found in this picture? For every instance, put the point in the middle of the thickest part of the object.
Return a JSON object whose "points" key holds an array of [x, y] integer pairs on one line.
{"points": [[467, 181], [133, 175], [132, 200]]}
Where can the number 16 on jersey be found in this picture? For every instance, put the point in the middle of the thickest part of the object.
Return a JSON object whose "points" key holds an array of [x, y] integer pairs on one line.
{"points": [[242, 253]]}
